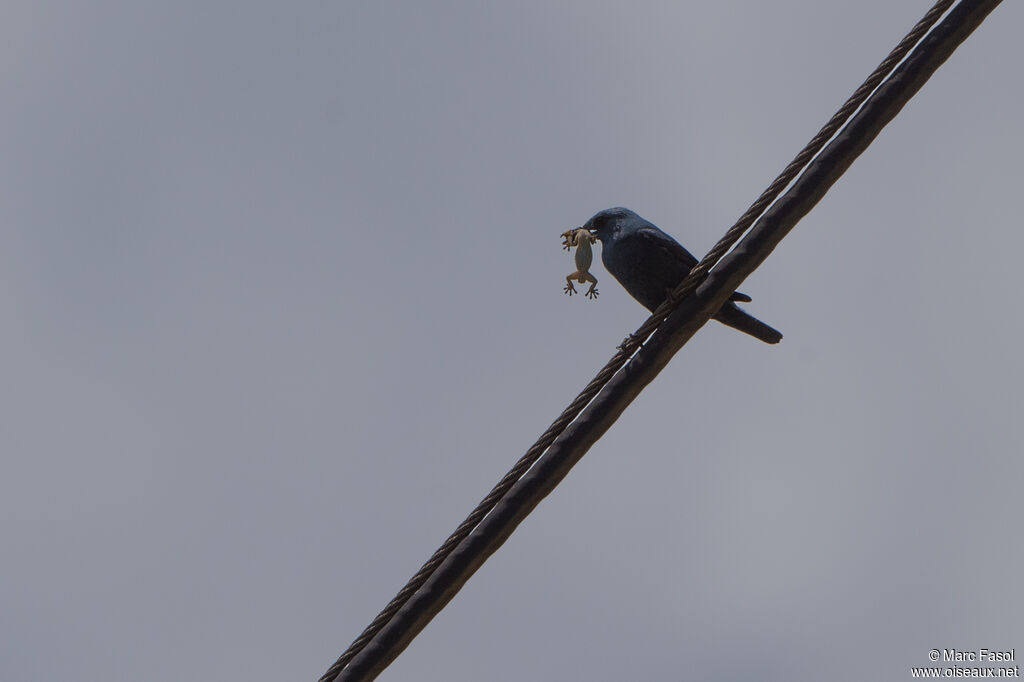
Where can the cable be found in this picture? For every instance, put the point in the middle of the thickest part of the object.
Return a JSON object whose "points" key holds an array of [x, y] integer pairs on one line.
{"points": [[791, 171], [519, 492], [620, 358]]}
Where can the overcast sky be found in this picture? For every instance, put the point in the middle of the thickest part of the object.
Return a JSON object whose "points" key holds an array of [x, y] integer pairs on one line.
{"points": [[281, 287]]}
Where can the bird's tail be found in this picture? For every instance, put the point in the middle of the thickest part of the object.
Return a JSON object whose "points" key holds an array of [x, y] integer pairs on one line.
{"points": [[732, 316]]}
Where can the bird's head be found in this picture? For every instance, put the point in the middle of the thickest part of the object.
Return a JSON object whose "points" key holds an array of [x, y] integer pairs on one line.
{"points": [[613, 222]]}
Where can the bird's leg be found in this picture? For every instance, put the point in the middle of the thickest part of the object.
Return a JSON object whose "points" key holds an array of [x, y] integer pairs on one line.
{"points": [[670, 295], [630, 343]]}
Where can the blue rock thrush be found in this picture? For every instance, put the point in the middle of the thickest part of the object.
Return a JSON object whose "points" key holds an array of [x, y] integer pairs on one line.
{"points": [[649, 264]]}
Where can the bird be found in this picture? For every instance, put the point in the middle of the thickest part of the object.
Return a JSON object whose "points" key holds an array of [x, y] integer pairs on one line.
{"points": [[649, 264]]}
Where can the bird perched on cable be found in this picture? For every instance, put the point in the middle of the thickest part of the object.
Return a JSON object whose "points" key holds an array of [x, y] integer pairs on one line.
{"points": [[649, 264]]}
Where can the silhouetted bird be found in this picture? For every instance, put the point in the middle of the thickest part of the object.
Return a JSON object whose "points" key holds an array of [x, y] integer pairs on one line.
{"points": [[650, 264]]}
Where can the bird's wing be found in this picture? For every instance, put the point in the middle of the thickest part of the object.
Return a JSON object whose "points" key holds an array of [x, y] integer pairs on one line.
{"points": [[671, 248], [664, 243]]}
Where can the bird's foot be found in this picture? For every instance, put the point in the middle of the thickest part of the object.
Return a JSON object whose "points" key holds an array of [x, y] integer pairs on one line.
{"points": [[630, 343], [671, 297]]}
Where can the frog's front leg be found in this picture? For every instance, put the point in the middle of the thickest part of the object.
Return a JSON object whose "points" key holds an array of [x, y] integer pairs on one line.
{"points": [[568, 241]]}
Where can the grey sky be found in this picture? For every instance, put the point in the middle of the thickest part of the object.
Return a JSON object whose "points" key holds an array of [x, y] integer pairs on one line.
{"points": [[281, 289]]}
